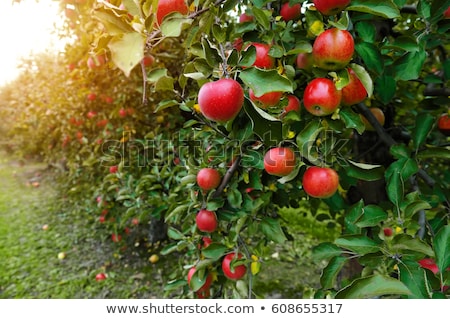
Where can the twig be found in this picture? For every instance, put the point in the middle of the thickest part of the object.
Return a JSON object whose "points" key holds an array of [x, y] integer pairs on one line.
{"points": [[228, 175]]}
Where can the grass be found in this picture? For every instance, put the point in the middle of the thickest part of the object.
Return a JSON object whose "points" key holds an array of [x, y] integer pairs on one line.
{"points": [[30, 267]]}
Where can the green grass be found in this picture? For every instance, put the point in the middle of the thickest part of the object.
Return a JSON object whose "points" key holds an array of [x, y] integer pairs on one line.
{"points": [[30, 268]]}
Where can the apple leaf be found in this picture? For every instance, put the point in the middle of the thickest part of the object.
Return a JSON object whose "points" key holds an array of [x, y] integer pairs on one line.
{"points": [[325, 251], [271, 228], [365, 172], [127, 51], [306, 140], [372, 216], [371, 56], [265, 81], [112, 23], [268, 128], [408, 67], [441, 246], [214, 251], [386, 9], [367, 31], [404, 242], [351, 119], [434, 152], [373, 286], [385, 87], [412, 275], [424, 125], [173, 26], [357, 243], [331, 271], [364, 77]]}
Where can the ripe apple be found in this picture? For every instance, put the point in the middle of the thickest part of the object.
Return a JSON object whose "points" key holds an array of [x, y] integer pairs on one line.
{"points": [[92, 96], [94, 62], [203, 291], [244, 17], [304, 61], [116, 238], [206, 221], [236, 272], [208, 178], [100, 276], [102, 123], [266, 100], [293, 104], [91, 114], [109, 99], [447, 13], [430, 264], [221, 100], [379, 115], [354, 92], [279, 161], [330, 7], [320, 182], [206, 241], [444, 124], [166, 7], [114, 169], [263, 59], [123, 112], [148, 60], [333, 49], [290, 13], [321, 97]]}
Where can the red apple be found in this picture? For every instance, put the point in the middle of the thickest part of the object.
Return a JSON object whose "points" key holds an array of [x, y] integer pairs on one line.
{"points": [[148, 60], [330, 7], [263, 59], [221, 100], [92, 96], [116, 238], [123, 112], [166, 7], [304, 61], [288, 12], [203, 291], [266, 100], [387, 232], [206, 241], [102, 123], [320, 182], [244, 17], [91, 114], [321, 97], [447, 13], [279, 161], [233, 273], [99, 277], [71, 66], [354, 92], [206, 221], [293, 104], [94, 62], [109, 99], [113, 169], [430, 264], [333, 49], [208, 178], [102, 219], [444, 124]]}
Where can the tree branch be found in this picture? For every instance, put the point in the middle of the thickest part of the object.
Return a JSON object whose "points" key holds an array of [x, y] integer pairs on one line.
{"points": [[388, 140], [228, 175], [431, 91]]}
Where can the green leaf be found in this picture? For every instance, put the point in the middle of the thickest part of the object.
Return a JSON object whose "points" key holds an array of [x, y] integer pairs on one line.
{"points": [[399, 151], [385, 87], [113, 24], [198, 279], [261, 17], [371, 56], [408, 67], [404, 242], [365, 172], [351, 216], [413, 276], [174, 233], [271, 228], [175, 284], [441, 246], [372, 216], [264, 81], [386, 9], [306, 139], [403, 43], [373, 286], [331, 271], [214, 251], [325, 251], [351, 119], [357, 243], [265, 126], [366, 30], [234, 198], [172, 27], [127, 51], [364, 77], [424, 125]]}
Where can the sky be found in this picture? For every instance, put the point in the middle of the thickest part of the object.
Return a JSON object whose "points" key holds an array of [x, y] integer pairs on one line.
{"points": [[25, 28]]}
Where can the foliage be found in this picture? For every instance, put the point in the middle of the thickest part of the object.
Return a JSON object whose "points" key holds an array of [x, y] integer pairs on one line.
{"points": [[395, 177]]}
